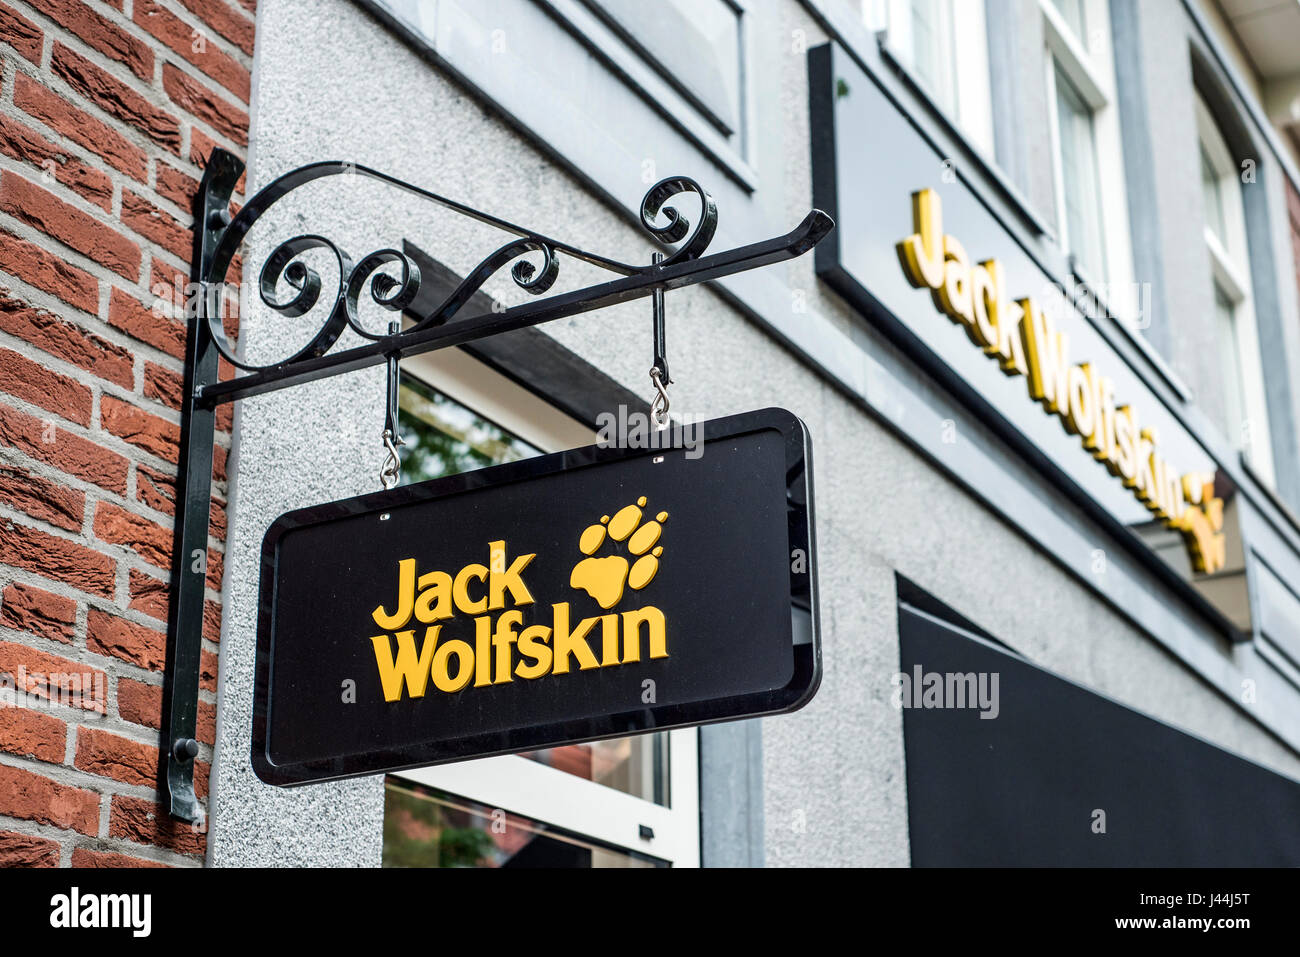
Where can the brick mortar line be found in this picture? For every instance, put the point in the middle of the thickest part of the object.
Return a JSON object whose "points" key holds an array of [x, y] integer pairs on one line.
{"points": [[52, 473], [8, 58], [48, 472], [101, 386], [139, 349], [120, 181], [154, 154], [54, 186], [113, 723], [74, 149], [66, 194], [88, 378], [28, 828], [47, 49], [122, 845], [49, 302], [17, 575], [125, 20], [74, 653], [53, 32], [80, 638], [117, 604], [127, 557], [100, 784], [116, 68], [70, 840], [192, 20], [102, 438], [77, 651], [70, 256], [134, 135], [114, 223], [53, 646]]}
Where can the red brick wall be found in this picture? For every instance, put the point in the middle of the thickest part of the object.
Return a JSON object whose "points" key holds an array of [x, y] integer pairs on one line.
{"points": [[108, 109]]}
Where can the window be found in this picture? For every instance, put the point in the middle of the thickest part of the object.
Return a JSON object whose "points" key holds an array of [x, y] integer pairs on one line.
{"points": [[1080, 188], [1225, 339], [580, 805], [932, 48], [944, 44], [1091, 203], [1244, 415], [1213, 195]]}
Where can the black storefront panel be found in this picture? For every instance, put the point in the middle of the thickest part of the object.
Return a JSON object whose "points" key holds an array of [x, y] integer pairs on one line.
{"points": [[1033, 770]]}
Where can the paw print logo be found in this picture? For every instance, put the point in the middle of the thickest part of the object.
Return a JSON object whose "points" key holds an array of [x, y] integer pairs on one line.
{"points": [[604, 579]]}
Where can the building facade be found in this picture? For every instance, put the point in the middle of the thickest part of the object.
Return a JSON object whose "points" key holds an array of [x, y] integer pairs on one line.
{"points": [[1047, 360]]}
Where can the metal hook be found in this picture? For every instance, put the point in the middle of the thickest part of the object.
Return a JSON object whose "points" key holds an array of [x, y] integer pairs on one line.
{"points": [[391, 470], [659, 404]]}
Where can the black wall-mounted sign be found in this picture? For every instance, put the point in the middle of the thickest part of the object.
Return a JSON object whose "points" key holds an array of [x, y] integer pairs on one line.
{"points": [[586, 594]]}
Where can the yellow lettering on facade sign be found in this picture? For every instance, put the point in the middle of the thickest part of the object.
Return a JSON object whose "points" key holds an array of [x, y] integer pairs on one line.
{"points": [[922, 253], [503, 649], [1025, 341]]}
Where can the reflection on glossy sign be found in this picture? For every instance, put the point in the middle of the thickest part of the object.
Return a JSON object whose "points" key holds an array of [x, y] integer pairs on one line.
{"points": [[588, 594]]}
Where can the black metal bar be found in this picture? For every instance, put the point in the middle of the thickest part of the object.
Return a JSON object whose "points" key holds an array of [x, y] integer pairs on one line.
{"points": [[660, 333], [194, 488], [394, 378], [793, 244]]}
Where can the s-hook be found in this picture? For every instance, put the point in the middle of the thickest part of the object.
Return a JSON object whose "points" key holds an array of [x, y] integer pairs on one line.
{"points": [[659, 371], [391, 470]]}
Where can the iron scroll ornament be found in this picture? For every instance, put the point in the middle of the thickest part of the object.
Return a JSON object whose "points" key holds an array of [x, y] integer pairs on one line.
{"points": [[289, 286]]}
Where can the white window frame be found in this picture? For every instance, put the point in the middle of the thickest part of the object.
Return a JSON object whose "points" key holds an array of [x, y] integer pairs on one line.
{"points": [[519, 785], [972, 110], [1089, 64], [1230, 271]]}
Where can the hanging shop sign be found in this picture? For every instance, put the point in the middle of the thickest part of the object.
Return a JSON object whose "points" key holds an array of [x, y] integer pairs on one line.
{"points": [[454, 619], [592, 593], [929, 264]]}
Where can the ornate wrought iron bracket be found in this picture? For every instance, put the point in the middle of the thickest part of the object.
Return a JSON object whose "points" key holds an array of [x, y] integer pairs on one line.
{"points": [[288, 285]]}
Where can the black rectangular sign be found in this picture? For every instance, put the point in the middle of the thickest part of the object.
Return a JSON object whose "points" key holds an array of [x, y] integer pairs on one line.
{"points": [[587, 594]]}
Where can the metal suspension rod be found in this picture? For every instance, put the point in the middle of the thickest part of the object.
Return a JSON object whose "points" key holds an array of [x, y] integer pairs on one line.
{"points": [[793, 244]]}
